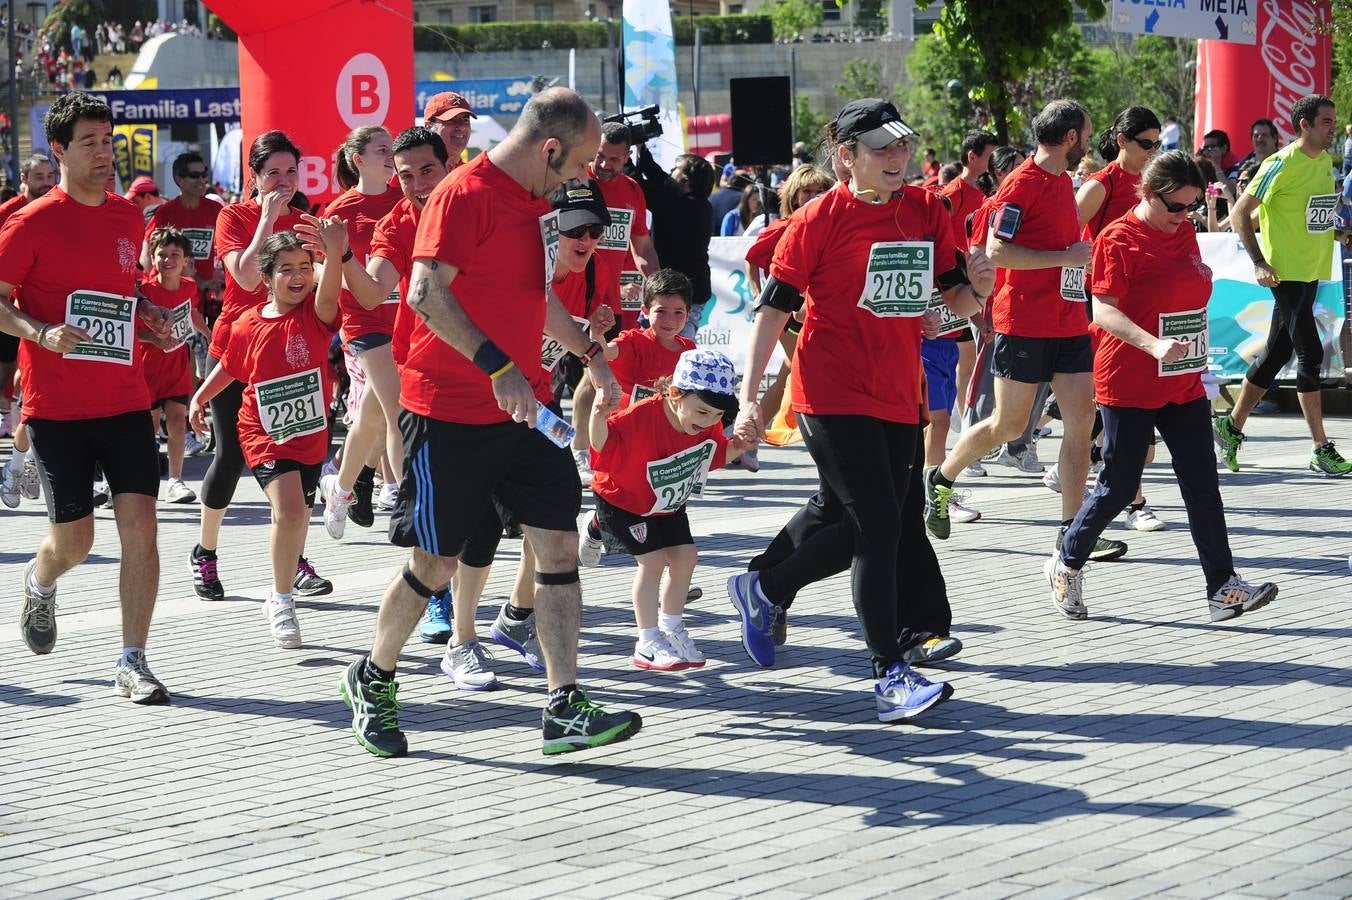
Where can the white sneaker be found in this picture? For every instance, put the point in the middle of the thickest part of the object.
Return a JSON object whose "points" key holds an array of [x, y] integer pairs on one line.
{"points": [[335, 507], [282, 620], [178, 492], [389, 496], [467, 665], [658, 655], [1053, 478], [1026, 461], [1143, 519], [192, 445], [29, 483], [1237, 597], [1067, 588], [582, 459], [751, 460], [589, 550], [9, 486], [959, 512], [102, 494], [975, 470], [684, 645]]}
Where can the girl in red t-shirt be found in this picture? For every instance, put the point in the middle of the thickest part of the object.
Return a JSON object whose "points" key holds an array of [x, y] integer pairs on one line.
{"points": [[168, 372], [1150, 291], [648, 460], [279, 352]]}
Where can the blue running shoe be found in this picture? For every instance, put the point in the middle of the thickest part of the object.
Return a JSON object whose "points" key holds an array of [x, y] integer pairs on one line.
{"points": [[756, 614], [435, 627], [904, 693]]}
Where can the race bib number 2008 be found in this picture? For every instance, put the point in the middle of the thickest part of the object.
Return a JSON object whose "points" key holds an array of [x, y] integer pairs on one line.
{"points": [[110, 322], [899, 279], [1191, 328], [291, 406], [616, 235]]}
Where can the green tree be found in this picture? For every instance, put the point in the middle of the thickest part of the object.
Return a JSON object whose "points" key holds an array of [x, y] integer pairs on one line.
{"points": [[861, 77], [790, 18], [1007, 40], [935, 99], [1341, 89], [807, 123]]}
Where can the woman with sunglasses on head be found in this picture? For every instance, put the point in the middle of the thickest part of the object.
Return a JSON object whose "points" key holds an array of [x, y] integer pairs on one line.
{"points": [[864, 259], [1150, 290]]}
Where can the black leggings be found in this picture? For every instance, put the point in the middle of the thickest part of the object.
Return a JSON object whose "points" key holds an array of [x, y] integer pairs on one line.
{"points": [[1293, 329], [227, 465], [869, 513]]}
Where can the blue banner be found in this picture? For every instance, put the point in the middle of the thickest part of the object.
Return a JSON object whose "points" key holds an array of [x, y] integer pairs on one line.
{"points": [[189, 106], [486, 96]]}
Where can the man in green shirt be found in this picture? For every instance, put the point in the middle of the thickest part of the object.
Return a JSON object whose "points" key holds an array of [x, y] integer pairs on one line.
{"points": [[1295, 197]]}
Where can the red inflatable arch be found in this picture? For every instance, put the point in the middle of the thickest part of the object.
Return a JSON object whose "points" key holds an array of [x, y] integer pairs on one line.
{"points": [[317, 69]]}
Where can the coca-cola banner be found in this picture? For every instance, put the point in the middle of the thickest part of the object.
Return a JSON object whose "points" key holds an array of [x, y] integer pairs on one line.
{"points": [[316, 69], [1238, 83]]}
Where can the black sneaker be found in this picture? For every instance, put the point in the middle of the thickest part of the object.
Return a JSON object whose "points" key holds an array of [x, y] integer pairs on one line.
{"points": [[310, 583], [38, 619], [1105, 550], [375, 712], [362, 513], [205, 584], [580, 723]]}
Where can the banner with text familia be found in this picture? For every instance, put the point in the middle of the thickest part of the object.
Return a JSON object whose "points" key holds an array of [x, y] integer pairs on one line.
{"points": [[134, 152], [1240, 83], [1239, 310], [649, 48], [316, 69]]}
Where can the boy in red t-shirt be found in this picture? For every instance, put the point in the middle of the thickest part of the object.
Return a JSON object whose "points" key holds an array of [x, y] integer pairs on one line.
{"points": [[640, 356], [649, 459], [280, 352], [168, 371]]}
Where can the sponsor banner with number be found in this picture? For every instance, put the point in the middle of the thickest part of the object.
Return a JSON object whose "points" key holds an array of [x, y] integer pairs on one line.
{"points": [[678, 477], [200, 238], [1190, 328], [899, 279], [110, 322], [549, 234], [182, 324], [616, 235], [292, 406], [949, 321], [627, 278]]}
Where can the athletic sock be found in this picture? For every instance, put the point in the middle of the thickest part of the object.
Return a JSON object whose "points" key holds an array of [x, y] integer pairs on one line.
{"points": [[938, 478], [669, 622], [516, 613], [593, 528], [372, 672], [1066, 524], [648, 634], [127, 654], [558, 698], [200, 552], [285, 598], [37, 586], [1137, 507], [367, 475], [16, 460]]}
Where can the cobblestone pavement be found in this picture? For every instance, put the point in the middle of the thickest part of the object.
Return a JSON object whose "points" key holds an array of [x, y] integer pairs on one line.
{"points": [[1144, 752]]}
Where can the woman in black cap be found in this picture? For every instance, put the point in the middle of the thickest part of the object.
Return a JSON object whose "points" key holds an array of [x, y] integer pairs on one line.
{"points": [[865, 258]]}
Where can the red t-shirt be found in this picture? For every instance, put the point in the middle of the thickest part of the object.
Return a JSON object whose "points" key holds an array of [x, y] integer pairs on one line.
{"points": [[235, 227], [480, 220], [649, 468], [1120, 195], [572, 290], [50, 249], [392, 241], [168, 374], [10, 207], [1149, 272], [643, 360], [262, 349], [1036, 210], [363, 212], [762, 248], [853, 360], [964, 200], [198, 226]]}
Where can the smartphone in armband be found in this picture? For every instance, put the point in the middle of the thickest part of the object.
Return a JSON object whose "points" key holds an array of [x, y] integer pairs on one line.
{"points": [[559, 432]]}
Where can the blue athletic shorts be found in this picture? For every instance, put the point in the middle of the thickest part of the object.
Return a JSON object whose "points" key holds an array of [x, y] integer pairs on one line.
{"points": [[941, 371]]}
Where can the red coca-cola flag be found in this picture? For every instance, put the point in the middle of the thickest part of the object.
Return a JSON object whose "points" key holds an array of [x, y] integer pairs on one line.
{"points": [[1239, 83]]}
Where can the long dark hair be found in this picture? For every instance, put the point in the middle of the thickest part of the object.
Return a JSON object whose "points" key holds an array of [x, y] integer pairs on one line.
{"points": [[1129, 123], [266, 144], [1172, 171], [1002, 160]]}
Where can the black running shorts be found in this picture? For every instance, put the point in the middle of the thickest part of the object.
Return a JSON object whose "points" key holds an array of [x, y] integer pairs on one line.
{"points": [[1034, 360], [270, 470], [643, 534], [68, 450]]}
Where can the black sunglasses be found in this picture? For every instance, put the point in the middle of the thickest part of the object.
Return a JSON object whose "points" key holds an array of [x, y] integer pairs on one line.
{"points": [[199, 174], [1146, 144], [594, 230], [1194, 206]]}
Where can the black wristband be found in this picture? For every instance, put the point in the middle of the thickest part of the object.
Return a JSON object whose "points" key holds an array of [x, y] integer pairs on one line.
{"points": [[348, 255], [490, 358]]}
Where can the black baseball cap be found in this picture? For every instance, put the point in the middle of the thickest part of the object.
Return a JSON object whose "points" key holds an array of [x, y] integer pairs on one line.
{"points": [[872, 121], [580, 203]]}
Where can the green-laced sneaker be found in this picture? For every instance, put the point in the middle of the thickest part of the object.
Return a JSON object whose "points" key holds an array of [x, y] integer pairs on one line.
{"points": [[1228, 439], [936, 505], [375, 712], [579, 723], [1105, 550], [1326, 460]]}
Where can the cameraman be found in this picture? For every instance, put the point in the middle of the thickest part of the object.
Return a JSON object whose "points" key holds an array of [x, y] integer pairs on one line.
{"points": [[682, 221]]}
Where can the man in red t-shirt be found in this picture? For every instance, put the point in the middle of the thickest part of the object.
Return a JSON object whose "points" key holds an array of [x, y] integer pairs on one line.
{"points": [[447, 115], [192, 213], [472, 388], [1041, 330], [962, 192], [36, 177], [85, 402], [627, 243]]}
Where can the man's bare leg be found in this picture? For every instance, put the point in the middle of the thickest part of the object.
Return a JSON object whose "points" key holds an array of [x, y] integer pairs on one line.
{"points": [[558, 607]]}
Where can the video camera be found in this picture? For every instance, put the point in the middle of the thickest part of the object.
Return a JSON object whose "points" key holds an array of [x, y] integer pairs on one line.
{"points": [[642, 123]]}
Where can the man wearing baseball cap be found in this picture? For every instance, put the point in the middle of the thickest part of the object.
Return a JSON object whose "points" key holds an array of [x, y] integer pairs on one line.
{"points": [[145, 193], [447, 114]]}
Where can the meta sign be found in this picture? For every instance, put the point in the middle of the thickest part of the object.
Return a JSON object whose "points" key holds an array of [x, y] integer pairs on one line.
{"points": [[1217, 20]]}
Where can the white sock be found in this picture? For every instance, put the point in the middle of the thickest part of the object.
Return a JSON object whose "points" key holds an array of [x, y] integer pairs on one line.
{"points": [[645, 635], [669, 622], [127, 652], [284, 598], [16, 460], [36, 585]]}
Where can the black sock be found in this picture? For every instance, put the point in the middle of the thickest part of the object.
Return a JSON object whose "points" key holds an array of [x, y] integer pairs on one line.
{"points": [[1137, 507], [1066, 524], [516, 613], [558, 698], [367, 475], [372, 672], [939, 479], [593, 528], [200, 552]]}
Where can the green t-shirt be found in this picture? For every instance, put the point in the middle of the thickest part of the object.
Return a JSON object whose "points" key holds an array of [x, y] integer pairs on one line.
{"points": [[1296, 216]]}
